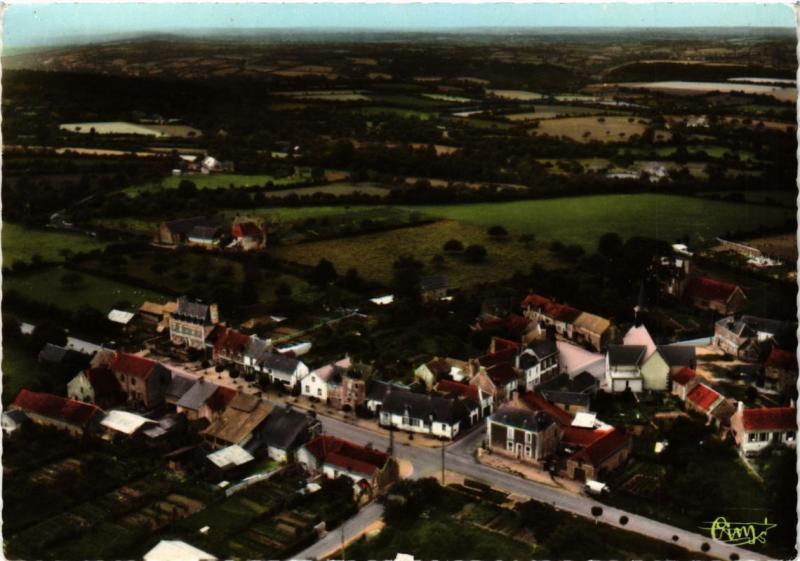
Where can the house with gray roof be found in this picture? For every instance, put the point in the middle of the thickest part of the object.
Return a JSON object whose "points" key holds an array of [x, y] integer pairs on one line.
{"points": [[285, 430], [624, 368], [192, 322], [538, 363], [436, 415], [282, 368], [678, 356], [522, 434]]}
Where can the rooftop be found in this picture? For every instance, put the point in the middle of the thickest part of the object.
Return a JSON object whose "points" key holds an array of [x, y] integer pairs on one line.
{"points": [[55, 407], [770, 419]]}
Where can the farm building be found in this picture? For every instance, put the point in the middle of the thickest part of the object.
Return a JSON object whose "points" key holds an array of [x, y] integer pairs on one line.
{"points": [[143, 381], [238, 421], [50, 410]]}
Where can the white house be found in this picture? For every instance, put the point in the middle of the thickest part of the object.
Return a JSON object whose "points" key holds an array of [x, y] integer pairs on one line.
{"points": [[755, 429], [281, 368], [316, 384], [538, 362], [431, 414], [624, 368]]}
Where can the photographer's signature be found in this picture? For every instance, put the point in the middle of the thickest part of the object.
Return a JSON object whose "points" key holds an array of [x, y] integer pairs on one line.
{"points": [[739, 533]]}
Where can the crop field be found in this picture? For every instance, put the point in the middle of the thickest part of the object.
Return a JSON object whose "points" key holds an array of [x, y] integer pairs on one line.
{"points": [[46, 286], [398, 111], [698, 88], [373, 254], [517, 95], [335, 189], [582, 220], [21, 243], [553, 111], [604, 129]]}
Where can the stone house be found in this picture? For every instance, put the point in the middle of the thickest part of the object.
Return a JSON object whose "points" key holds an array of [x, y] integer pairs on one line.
{"points": [[522, 434], [143, 381], [192, 322]]}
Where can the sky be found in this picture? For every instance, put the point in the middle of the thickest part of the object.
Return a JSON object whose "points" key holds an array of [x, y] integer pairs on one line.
{"points": [[27, 25]]}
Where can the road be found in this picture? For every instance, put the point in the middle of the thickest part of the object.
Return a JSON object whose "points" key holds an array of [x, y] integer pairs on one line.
{"points": [[353, 529], [459, 459]]}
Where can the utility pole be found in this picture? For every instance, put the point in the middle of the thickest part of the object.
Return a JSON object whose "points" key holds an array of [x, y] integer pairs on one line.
{"points": [[344, 549], [442, 463], [391, 441]]}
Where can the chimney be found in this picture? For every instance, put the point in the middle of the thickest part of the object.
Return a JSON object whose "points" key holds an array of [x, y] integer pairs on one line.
{"points": [[740, 407], [791, 403]]}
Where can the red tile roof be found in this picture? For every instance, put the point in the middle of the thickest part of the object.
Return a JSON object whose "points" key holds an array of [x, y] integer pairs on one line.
{"points": [[536, 301], [344, 454], [505, 356], [770, 419], [684, 376], [783, 360], [578, 437], [246, 229], [458, 388], [517, 324], [231, 342], [599, 450], [56, 407], [502, 374], [103, 382], [501, 344], [705, 288], [559, 312], [537, 402], [132, 365], [703, 397]]}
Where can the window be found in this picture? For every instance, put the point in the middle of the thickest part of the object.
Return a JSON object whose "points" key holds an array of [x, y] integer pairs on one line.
{"points": [[308, 388], [406, 420], [510, 433], [752, 437], [319, 391], [528, 452], [510, 445], [528, 437], [762, 437], [790, 436]]}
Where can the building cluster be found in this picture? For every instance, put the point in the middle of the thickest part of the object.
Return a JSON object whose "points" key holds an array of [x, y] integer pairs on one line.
{"points": [[242, 234]]}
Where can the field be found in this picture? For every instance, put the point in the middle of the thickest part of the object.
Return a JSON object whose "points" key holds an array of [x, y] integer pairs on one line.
{"points": [[102, 294], [604, 129], [553, 111], [698, 88], [373, 254], [517, 95], [220, 180], [582, 220], [20, 370], [21, 243], [335, 189]]}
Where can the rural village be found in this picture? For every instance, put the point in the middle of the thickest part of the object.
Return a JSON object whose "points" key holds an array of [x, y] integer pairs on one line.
{"points": [[396, 313]]}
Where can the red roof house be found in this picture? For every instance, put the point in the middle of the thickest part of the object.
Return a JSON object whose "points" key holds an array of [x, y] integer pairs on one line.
{"points": [[537, 402], [457, 388], [57, 411], [144, 381], [683, 381], [603, 454], [781, 360], [369, 469], [703, 399], [710, 294], [770, 419], [755, 429]]}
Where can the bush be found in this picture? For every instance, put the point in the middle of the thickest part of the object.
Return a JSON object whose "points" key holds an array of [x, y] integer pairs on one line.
{"points": [[498, 232], [475, 254], [453, 246]]}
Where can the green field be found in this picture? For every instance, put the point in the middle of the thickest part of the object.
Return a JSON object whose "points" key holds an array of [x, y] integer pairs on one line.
{"points": [[21, 243], [220, 180], [336, 189], [373, 254], [582, 220], [405, 113], [788, 198], [20, 370], [102, 294]]}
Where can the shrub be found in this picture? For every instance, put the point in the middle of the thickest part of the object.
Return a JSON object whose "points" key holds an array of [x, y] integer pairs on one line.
{"points": [[475, 254], [453, 246]]}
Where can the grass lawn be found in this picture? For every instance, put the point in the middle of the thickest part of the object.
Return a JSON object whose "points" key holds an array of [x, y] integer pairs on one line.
{"points": [[99, 293], [218, 180], [373, 254], [336, 189], [20, 243], [784, 197], [610, 129], [582, 220], [20, 370], [405, 113]]}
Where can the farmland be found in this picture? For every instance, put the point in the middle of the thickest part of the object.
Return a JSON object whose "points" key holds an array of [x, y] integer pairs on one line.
{"points": [[587, 129], [21, 243], [220, 180], [47, 286], [373, 254], [698, 88], [582, 220]]}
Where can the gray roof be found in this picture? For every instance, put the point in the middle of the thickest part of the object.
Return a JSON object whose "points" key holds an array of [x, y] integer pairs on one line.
{"points": [[377, 390], [197, 395], [583, 382], [179, 386], [192, 311], [52, 353], [279, 362], [678, 355], [255, 348], [567, 397], [524, 419], [184, 225], [537, 351], [285, 428], [428, 407], [626, 355], [205, 232], [434, 282]]}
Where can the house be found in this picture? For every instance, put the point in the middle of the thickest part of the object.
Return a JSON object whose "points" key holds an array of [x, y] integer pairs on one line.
{"points": [[255, 349], [745, 337], [538, 362], [125, 423], [228, 345], [780, 371], [52, 354], [192, 322], [461, 390], [98, 386], [177, 232], [177, 388], [281, 368], [238, 421], [347, 388], [678, 356], [703, 399], [433, 288], [372, 471], [654, 369], [570, 323], [683, 381], [624, 368], [315, 385], [204, 400], [13, 421], [442, 368], [431, 414], [143, 381], [229, 459], [285, 430], [176, 550], [601, 456], [755, 429], [501, 381], [207, 237], [717, 296], [46, 409], [522, 434], [156, 314], [568, 394], [376, 392], [248, 234]]}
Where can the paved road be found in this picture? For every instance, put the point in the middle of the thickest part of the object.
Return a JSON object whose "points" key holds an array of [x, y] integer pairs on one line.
{"points": [[353, 529], [459, 459]]}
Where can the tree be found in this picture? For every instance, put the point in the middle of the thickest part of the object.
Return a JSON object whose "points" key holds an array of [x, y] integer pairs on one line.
{"points": [[324, 273], [187, 188], [283, 291], [453, 246], [610, 245], [498, 232], [475, 254], [47, 333]]}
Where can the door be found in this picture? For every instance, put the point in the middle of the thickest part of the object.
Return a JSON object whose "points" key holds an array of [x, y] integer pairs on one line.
{"points": [[518, 450]]}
